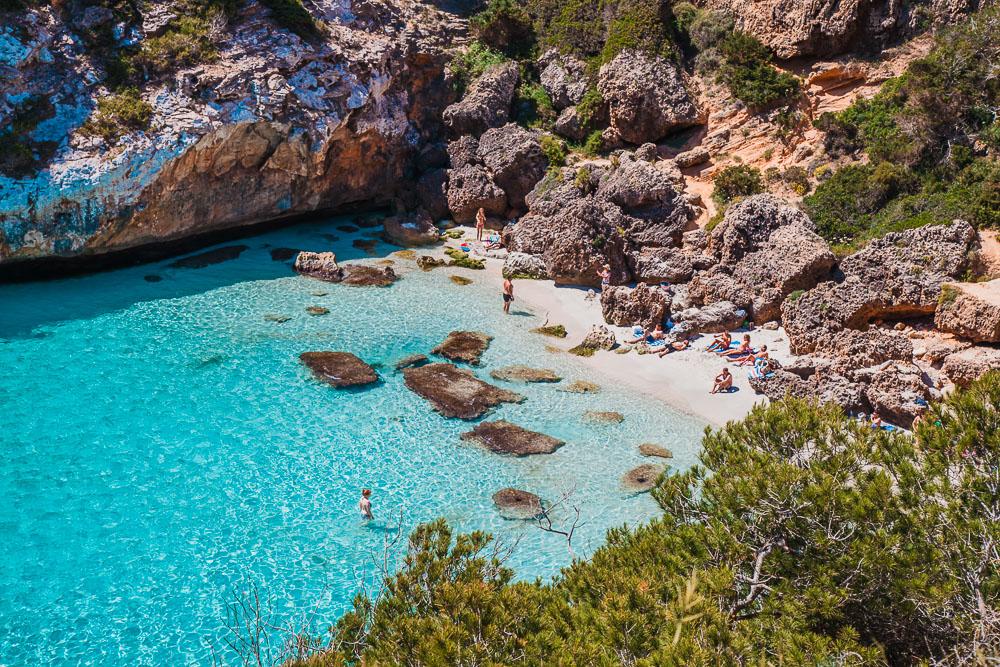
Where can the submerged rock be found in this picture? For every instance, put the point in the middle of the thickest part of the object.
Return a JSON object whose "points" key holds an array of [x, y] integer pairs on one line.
{"points": [[651, 449], [642, 478], [409, 230], [464, 346], [362, 275], [283, 254], [603, 417], [210, 257], [581, 387], [152, 278], [277, 318], [456, 392], [460, 280], [520, 373], [340, 369], [411, 360], [426, 262], [317, 310], [517, 504], [503, 437]]}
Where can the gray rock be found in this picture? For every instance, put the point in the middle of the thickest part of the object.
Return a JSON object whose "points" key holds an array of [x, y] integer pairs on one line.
{"points": [[471, 188], [642, 305], [320, 265], [464, 346], [517, 504], [894, 391], [524, 265], [563, 77], [463, 151], [965, 366], [456, 392], [432, 193], [486, 104], [656, 265], [411, 229], [520, 373], [502, 437], [692, 158], [340, 369], [970, 310], [713, 318], [515, 161]]}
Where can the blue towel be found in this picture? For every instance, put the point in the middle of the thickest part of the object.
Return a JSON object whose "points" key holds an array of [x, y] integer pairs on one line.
{"points": [[657, 343]]}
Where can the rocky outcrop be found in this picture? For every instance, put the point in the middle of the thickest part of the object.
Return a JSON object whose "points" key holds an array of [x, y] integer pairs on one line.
{"points": [[432, 193], [599, 338], [456, 392], [970, 310], [410, 230], [502, 437], [464, 346], [642, 305], [517, 504], [271, 127], [897, 276], [319, 265], [792, 28], [519, 373], [642, 478], [487, 102], [340, 369], [661, 264], [563, 77], [470, 188], [514, 159], [894, 391], [965, 366], [713, 318], [824, 387], [646, 96], [523, 265]]}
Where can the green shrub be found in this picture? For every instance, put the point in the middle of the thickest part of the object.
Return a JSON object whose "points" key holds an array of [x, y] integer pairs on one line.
{"points": [[469, 64], [737, 181], [292, 15], [797, 179], [582, 179], [184, 44], [505, 26], [638, 25], [594, 144], [20, 155], [748, 73], [118, 115], [708, 29], [554, 150], [533, 107]]}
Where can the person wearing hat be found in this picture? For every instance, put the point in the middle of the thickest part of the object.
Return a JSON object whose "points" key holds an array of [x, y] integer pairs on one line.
{"points": [[365, 505]]}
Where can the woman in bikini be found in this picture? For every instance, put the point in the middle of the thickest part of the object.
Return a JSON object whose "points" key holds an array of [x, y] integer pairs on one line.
{"points": [[741, 351]]}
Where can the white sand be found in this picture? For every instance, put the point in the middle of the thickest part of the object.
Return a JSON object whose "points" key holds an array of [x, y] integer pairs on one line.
{"points": [[681, 379]]}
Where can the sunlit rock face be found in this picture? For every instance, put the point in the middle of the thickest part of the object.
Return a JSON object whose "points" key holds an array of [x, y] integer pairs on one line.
{"points": [[274, 126]]}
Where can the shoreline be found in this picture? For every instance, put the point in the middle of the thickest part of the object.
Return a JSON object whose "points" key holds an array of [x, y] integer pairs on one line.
{"points": [[681, 380]]}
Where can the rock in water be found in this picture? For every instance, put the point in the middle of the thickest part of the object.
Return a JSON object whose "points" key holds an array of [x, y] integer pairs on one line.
{"points": [[455, 392], [409, 230], [317, 310], [283, 254], [362, 275], [319, 265], [603, 417], [581, 387], [518, 373], [464, 346], [646, 97], [216, 256], [503, 437], [517, 504], [970, 310], [340, 369], [642, 478], [411, 360], [651, 449]]}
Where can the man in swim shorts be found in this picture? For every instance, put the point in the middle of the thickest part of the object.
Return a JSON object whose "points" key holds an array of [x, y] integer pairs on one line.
{"points": [[508, 294]]}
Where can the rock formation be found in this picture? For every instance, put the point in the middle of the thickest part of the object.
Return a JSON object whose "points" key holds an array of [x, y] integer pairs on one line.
{"points": [[486, 104], [340, 369], [456, 392], [971, 310], [519, 373], [415, 229], [642, 478], [642, 305], [503, 437], [517, 504], [464, 346]]}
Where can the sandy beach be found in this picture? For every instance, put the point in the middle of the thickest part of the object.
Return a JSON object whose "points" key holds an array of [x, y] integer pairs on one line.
{"points": [[681, 379]]}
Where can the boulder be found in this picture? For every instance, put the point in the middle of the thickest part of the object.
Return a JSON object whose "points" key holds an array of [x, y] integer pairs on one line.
{"points": [[748, 225], [573, 124], [455, 392], [970, 310], [432, 193], [563, 77], [599, 338], [646, 97], [826, 388], [471, 188], [464, 346], [642, 478], [713, 318], [517, 504], [661, 264], [523, 265], [647, 153], [648, 196], [363, 275], [851, 349], [519, 373], [652, 449], [502, 437], [463, 151], [411, 229], [320, 265], [340, 369], [603, 417], [692, 158], [894, 391], [486, 104], [965, 366], [515, 161], [642, 305]]}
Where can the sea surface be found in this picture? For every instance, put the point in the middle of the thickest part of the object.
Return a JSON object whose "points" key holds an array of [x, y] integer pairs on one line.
{"points": [[163, 452]]}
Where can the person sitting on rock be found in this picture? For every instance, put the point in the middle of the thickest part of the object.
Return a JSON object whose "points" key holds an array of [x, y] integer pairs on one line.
{"points": [[720, 342], [672, 347], [741, 351], [723, 381]]}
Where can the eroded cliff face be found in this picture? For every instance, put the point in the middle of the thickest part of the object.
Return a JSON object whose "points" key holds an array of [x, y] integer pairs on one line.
{"points": [[274, 126]]}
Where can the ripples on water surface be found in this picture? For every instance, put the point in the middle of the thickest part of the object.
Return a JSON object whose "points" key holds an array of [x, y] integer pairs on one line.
{"points": [[161, 447]]}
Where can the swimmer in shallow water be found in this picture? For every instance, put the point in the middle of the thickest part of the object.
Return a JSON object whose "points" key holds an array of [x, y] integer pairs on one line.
{"points": [[365, 505]]}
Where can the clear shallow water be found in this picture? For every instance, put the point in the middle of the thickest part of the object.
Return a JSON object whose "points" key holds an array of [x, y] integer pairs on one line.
{"points": [[161, 448]]}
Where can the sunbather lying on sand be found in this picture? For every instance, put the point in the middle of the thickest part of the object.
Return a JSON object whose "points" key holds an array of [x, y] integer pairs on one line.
{"points": [[678, 346], [753, 356], [741, 351], [720, 342]]}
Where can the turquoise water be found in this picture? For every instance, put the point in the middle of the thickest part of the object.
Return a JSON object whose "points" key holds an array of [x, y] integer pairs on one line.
{"points": [[162, 449]]}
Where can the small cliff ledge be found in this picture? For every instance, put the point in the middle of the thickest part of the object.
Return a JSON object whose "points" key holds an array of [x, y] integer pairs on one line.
{"points": [[269, 124]]}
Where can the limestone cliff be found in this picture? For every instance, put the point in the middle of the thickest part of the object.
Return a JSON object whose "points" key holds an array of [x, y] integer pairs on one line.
{"points": [[271, 126]]}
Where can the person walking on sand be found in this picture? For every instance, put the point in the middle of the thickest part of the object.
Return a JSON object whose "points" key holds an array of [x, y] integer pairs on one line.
{"points": [[723, 381], [508, 294], [480, 223], [365, 505]]}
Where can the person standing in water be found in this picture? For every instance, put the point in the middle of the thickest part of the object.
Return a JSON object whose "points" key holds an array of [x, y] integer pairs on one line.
{"points": [[480, 223], [365, 505], [508, 294]]}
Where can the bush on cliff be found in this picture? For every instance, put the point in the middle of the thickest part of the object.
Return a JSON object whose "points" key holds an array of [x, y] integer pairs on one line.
{"points": [[505, 26], [469, 64], [117, 115], [186, 42], [800, 534], [737, 181]]}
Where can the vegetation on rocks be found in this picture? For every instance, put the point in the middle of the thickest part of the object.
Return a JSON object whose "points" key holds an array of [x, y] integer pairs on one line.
{"points": [[746, 69], [19, 152], [925, 134], [119, 114], [737, 181], [291, 14], [187, 42], [800, 533], [469, 63]]}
